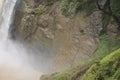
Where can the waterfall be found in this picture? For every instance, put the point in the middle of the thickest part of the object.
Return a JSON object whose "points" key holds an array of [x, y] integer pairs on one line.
{"points": [[6, 7], [13, 60]]}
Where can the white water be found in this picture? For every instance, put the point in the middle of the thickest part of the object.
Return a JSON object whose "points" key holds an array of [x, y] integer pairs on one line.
{"points": [[13, 57]]}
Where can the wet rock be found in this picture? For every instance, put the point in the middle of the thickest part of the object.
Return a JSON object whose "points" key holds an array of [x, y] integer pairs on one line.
{"points": [[70, 40]]}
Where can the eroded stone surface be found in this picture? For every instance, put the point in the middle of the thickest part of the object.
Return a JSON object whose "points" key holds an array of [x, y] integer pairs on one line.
{"points": [[70, 40]]}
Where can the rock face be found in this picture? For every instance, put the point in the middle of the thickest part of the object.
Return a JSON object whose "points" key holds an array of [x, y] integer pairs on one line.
{"points": [[68, 40]]}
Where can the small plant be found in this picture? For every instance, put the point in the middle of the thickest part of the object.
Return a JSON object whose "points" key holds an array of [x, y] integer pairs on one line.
{"points": [[39, 10], [49, 2]]}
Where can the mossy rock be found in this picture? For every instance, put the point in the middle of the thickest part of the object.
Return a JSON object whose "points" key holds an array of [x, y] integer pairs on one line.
{"points": [[107, 69]]}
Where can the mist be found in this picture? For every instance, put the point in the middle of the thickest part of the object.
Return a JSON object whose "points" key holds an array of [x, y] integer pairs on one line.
{"points": [[16, 61]]}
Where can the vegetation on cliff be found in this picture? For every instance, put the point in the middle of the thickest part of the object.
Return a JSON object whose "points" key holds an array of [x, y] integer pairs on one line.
{"points": [[107, 69], [110, 9], [106, 46]]}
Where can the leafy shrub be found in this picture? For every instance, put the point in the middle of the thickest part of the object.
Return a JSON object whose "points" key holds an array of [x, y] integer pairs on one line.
{"points": [[39, 10]]}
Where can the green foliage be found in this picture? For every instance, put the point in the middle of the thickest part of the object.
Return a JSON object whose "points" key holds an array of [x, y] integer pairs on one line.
{"points": [[105, 21], [70, 7], [115, 6], [106, 46], [64, 7], [39, 10], [49, 2], [89, 6], [62, 77], [116, 76], [106, 69]]}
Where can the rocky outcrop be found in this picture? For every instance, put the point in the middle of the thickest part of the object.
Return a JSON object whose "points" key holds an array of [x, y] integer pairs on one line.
{"points": [[66, 40], [70, 39]]}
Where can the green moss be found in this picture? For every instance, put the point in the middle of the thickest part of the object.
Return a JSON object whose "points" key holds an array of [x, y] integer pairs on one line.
{"points": [[72, 73], [69, 7], [49, 2], [62, 77], [116, 76], [106, 69], [106, 46]]}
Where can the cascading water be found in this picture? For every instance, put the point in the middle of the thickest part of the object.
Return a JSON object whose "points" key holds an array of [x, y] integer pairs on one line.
{"points": [[13, 60]]}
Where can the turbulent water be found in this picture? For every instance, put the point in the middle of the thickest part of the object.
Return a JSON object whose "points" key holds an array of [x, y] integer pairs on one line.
{"points": [[13, 57]]}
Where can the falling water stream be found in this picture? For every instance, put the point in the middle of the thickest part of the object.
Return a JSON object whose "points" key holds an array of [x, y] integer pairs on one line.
{"points": [[13, 57]]}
